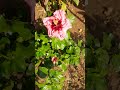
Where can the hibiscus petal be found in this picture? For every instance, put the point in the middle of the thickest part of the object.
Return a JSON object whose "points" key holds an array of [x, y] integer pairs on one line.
{"points": [[59, 14], [67, 25], [48, 20]]}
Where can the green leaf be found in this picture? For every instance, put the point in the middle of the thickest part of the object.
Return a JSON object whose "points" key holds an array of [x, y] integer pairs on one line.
{"points": [[101, 84], [20, 39], [70, 16], [10, 87], [97, 43], [74, 60], [107, 41], [43, 38], [77, 50], [4, 27], [58, 44], [4, 41], [37, 36], [5, 69], [31, 69], [18, 26], [43, 69], [47, 87], [89, 57], [20, 55], [39, 84], [102, 61], [89, 39], [18, 65], [70, 50], [91, 80], [63, 7], [63, 67], [52, 73], [76, 2], [115, 62], [42, 51], [80, 43]]}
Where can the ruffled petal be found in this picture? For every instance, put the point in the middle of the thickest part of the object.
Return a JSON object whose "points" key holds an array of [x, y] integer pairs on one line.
{"points": [[59, 14]]}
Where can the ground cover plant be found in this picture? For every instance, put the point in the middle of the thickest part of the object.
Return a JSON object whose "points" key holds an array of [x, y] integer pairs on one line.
{"points": [[16, 55], [100, 61], [102, 51]]}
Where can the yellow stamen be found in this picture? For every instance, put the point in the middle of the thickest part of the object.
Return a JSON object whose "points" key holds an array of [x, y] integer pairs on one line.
{"points": [[55, 22]]}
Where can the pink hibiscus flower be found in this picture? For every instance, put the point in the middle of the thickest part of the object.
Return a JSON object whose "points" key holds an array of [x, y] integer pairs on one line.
{"points": [[57, 24]]}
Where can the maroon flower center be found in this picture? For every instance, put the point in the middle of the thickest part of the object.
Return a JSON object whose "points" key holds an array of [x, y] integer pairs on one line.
{"points": [[56, 25]]}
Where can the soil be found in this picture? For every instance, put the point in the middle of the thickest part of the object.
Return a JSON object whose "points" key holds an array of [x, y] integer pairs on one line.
{"points": [[75, 76], [104, 16], [78, 28]]}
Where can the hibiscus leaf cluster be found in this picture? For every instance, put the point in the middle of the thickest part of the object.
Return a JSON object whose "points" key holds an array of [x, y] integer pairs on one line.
{"points": [[51, 53]]}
